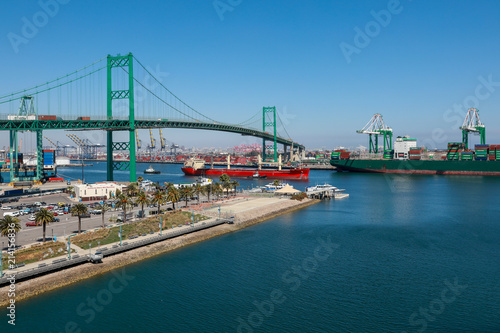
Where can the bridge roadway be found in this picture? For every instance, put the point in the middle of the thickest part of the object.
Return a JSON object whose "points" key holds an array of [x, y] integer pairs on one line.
{"points": [[124, 124]]}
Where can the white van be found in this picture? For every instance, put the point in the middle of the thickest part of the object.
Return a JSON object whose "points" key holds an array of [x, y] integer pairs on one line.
{"points": [[13, 214]]}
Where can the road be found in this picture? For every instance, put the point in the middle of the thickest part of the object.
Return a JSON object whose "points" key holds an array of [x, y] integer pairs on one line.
{"points": [[68, 224]]}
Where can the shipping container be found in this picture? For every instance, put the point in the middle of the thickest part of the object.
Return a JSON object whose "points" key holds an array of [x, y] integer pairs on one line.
{"points": [[47, 117], [56, 179], [83, 118]]}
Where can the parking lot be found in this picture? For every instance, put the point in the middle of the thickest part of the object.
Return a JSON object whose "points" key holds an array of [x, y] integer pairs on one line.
{"points": [[66, 225]]}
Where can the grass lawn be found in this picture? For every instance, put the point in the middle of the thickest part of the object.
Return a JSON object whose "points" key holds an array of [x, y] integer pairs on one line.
{"points": [[37, 252], [111, 235]]}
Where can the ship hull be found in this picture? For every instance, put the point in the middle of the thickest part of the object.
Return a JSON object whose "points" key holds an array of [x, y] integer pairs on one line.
{"points": [[429, 167], [269, 173]]}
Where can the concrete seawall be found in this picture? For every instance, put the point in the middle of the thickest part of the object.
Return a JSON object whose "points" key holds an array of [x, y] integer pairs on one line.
{"points": [[247, 212]]}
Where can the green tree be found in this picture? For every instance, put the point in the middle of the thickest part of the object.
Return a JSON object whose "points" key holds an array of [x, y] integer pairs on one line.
{"points": [[276, 182], [185, 193], [103, 208], [173, 195], [132, 189], [9, 222], [226, 186], [123, 202], [158, 199], [198, 190], [140, 179], [208, 189], [234, 185], [79, 210], [44, 217], [142, 199], [224, 178], [217, 189]]}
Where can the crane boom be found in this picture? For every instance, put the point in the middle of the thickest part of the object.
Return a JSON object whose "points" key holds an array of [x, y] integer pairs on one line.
{"points": [[162, 140], [472, 124], [139, 142], [375, 127], [153, 141]]}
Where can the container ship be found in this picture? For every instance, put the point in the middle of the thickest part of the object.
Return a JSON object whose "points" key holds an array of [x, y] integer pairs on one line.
{"points": [[407, 158], [196, 167]]}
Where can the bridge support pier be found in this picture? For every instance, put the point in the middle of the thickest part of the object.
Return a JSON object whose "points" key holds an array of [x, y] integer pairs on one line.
{"points": [[118, 62]]}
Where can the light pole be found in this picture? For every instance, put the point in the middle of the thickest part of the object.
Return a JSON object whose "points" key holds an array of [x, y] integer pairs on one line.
{"points": [[160, 226], [1, 262], [69, 247]]}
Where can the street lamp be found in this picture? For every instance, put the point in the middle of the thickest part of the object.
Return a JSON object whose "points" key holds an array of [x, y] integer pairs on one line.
{"points": [[69, 247], [1, 262], [120, 234]]}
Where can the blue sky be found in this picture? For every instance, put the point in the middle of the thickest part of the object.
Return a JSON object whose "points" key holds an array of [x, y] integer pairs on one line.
{"points": [[412, 68]]}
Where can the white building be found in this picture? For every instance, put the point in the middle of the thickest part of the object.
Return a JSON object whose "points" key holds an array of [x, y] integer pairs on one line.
{"points": [[402, 147], [97, 191]]}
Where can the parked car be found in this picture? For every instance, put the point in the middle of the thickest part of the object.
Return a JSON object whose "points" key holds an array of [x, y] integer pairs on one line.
{"points": [[32, 224], [13, 214], [56, 219]]}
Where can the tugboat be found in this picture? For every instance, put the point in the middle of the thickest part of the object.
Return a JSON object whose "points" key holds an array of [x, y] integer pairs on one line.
{"points": [[257, 175], [151, 171]]}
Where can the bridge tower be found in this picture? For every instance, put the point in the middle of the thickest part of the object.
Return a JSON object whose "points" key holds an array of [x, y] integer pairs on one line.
{"points": [[114, 63], [269, 121]]}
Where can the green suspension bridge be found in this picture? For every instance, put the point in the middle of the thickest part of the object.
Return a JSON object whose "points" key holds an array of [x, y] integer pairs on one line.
{"points": [[113, 96]]}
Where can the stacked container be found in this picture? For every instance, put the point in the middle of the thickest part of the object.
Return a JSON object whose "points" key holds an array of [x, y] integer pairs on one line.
{"points": [[416, 153], [481, 152], [48, 157], [466, 156], [335, 155], [388, 154], [494, 153], [454, 149]]}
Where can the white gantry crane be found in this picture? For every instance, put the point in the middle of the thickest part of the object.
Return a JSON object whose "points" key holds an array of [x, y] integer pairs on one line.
{"points": [[374, 128], [472, 124]]}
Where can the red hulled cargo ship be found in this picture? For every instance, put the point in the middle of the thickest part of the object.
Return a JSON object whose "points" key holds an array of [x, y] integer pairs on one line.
{"points": [[195, 167]]}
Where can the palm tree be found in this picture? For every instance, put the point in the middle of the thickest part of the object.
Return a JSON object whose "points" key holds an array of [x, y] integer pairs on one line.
{"points": [[208, 189], [217, 189], [44, 216], [234, 184], [173, 195], [198, 190], [103, 208], [79, 210], [9, 223], [276, 182], [123, 203], [132, 189], [224, 178], [226, 186], [158, 199], [185, 193], [140, 179], [142, 199]]}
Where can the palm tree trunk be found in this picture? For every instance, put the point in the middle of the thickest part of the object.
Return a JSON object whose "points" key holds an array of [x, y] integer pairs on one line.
{"points": [[79, 224], [102, 215], [124, 214], [142, 210], [44, 225], [158, 209], [173, 205]]}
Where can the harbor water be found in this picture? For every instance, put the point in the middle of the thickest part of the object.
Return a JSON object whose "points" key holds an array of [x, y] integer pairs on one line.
{"points": [[401, 254]]}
